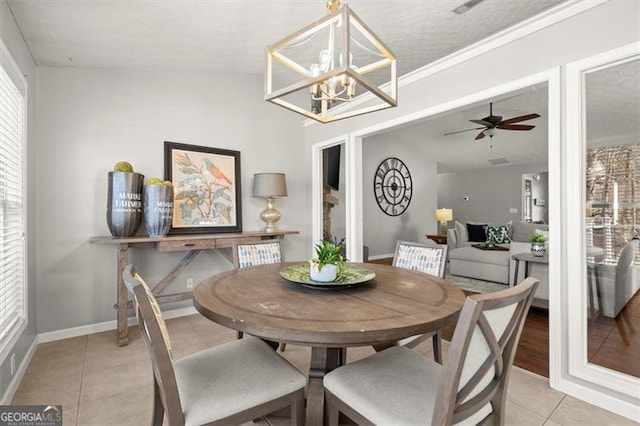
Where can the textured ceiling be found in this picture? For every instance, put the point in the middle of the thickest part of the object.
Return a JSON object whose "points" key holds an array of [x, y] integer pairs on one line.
{"points": [[230, 36], [612, 97], [462, 152], [612, 108]]}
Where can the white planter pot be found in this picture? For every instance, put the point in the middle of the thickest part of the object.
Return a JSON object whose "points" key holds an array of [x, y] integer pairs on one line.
{"points": [[538, 249], [327, 274]]}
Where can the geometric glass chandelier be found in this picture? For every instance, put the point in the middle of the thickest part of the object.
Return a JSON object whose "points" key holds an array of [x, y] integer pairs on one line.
{"points": [[319, 70]]}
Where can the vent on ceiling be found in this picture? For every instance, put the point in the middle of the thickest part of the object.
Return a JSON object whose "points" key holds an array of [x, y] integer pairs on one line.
{"points": [[466, 6], [495, 161]]}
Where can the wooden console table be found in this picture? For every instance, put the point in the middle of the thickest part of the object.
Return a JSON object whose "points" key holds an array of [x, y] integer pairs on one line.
{"points": [[192, 244]]}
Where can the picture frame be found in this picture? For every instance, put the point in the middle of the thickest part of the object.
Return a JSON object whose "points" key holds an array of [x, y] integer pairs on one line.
{"points": [[207, 188]]}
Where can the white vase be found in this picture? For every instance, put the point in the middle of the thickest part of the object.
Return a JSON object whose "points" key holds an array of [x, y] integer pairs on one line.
{"points": [[327, 274]]}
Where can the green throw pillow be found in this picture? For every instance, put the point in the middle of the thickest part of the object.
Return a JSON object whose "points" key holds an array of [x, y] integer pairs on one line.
{"points": [[498, 234]]}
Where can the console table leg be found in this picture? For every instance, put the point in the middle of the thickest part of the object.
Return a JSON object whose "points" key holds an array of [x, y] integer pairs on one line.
{"points": [[123, 296]]}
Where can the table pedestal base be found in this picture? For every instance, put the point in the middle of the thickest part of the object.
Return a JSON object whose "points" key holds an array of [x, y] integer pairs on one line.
{"points": [[323, 360]]}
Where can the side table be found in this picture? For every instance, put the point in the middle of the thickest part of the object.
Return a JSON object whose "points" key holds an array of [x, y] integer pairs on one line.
{"points": [[439, 239], [527, 258]]}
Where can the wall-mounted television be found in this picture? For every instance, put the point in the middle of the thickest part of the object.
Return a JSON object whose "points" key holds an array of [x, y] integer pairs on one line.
{"points": [[331, 167]]}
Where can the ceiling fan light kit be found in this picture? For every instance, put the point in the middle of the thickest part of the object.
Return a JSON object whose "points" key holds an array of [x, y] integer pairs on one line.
{"points": [[493, 122], [327, 64]]}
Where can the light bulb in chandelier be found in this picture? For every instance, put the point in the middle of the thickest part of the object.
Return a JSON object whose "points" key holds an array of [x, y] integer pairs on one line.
{"points": [[324, 60]]}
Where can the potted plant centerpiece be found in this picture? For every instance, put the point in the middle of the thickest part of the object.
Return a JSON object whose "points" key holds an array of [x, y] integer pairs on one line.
{"points": [[538, 244], [327, 263]]}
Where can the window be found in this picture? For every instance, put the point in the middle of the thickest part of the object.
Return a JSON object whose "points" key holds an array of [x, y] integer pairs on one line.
{"points": [[613, 194], [12, 203]]}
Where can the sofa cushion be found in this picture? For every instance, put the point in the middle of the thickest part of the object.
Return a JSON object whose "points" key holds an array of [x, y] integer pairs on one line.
{"points": [[472, 254], [522, 230], [476, 232], [498, 234], [461, 232]]}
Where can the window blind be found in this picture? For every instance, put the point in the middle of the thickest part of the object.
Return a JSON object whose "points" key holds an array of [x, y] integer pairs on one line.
{"points": [[12, 206]]}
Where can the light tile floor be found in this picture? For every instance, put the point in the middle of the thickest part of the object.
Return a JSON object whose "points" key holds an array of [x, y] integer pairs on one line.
{"points": [[99, 383]]}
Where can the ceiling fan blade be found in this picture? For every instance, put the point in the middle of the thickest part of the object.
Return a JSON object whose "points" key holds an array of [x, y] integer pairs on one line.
{"points": [[480, 135], [460, 131], [520, 118], [482, 122], [515, 126]]}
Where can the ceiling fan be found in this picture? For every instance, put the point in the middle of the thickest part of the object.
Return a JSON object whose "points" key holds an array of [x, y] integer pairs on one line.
{"points": [[493, 122]]}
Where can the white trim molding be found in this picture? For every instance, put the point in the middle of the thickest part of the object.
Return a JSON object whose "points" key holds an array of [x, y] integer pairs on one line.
{"points": [[599, 386], [19, 374], [316, 185]]}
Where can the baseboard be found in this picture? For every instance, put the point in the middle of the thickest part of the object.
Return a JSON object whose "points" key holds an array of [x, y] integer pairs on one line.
{"points": [[52, 336], [19, 374]]}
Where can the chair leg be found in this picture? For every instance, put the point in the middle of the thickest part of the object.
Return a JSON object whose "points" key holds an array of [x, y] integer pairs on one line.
{"points": [[331, 410], [297, 410], [239, 334], [437, 346], [158, 408]]}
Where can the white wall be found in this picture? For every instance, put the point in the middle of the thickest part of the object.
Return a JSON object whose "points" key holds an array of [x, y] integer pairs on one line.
{"points": [[381, 231], [91, 118], [12, 38], [491, 191]]}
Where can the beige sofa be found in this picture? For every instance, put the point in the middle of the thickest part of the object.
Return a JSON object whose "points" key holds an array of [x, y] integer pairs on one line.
{"points": [[497, 266]]}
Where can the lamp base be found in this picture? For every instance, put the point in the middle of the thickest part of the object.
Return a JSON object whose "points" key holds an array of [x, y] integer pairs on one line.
{"points": [[270, 216], [443, 227]]}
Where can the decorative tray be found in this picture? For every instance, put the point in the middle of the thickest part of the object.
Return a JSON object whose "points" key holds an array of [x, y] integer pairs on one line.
{"points": [[349, 276], [486, 247]]}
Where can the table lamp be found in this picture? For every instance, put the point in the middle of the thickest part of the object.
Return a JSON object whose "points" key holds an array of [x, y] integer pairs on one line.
{"points": [[443, 216], [269, 186]]}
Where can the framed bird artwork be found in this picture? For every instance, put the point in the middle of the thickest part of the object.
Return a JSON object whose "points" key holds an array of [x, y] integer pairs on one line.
{"points": [[207, 194]]}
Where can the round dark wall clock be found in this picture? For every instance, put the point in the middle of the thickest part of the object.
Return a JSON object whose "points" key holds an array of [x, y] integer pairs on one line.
{"points": [[392, 186]]}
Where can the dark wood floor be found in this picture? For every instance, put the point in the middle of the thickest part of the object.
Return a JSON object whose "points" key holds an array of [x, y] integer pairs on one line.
{"points": [[615, 343], [533, 349], [611, 344]]}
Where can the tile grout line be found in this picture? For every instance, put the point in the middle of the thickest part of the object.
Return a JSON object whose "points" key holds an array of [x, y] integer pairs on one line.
{"points": [[84, 364], [555, 408], [200, 336]]}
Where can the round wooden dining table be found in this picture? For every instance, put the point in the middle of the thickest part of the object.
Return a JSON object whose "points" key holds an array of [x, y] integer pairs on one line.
{"points": [[397, 303]]}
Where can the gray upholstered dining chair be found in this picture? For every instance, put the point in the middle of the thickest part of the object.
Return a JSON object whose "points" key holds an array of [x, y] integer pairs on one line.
{"points": [[430, 258], [402, 387], [624, 289], [257, 253], [231, 383]]}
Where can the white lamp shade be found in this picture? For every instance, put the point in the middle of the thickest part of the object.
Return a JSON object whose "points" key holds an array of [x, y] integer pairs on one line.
{"points": [[444, 215], [490, 132], [269, 185]]}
